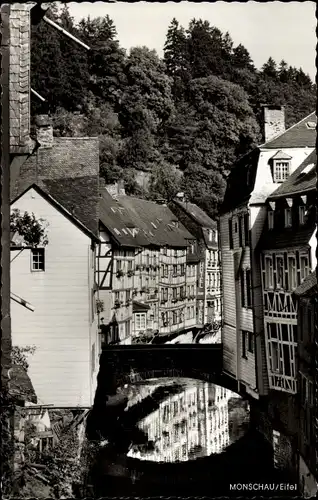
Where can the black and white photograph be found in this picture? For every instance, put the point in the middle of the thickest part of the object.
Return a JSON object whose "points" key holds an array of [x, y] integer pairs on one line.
{"points": [[158, 249]]}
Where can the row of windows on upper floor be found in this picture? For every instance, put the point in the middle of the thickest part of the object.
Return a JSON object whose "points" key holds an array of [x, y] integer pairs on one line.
{"points": [[284, 271], [290, 217], [240, 226]]}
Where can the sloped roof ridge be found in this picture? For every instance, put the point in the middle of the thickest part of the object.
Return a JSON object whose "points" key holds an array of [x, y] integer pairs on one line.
{"points": [[290, 128]]}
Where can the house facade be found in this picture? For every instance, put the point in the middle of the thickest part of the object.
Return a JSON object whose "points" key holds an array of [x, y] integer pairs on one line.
{"points": [[59, 183], [206, 257], [147, 277], [243, 218]]}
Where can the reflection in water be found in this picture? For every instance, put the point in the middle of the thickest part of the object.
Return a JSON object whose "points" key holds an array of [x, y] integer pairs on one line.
{"points": [[192, 423]]}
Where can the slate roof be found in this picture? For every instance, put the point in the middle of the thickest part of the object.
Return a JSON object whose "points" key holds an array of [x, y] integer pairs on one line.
{"points": [[156, 221], [69, 172], [308, 286], [297, 136], [116, 219], [299, 182], [285, 238], [241, 180], [197, 214]]}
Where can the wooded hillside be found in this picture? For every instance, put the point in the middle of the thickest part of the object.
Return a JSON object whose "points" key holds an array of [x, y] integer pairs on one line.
{"points": [[183, 119]]}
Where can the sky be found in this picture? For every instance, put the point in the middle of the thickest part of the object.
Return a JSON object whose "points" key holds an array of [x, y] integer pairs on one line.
{"points": [[280, 30]]}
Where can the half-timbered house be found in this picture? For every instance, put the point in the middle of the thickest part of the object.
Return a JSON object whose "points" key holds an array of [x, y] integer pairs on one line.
{"points": [[243, 216], [164, 278], [288, 255], [205, 255]]}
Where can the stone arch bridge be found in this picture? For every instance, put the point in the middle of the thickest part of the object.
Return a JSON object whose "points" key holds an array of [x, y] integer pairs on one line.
{"points": [[129, 364]]}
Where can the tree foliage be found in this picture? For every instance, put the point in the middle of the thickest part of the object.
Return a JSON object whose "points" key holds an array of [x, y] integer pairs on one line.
{"points": [[32, 231]]}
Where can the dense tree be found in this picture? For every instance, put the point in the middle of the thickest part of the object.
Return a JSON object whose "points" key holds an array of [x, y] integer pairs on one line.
{"points": [[105, 59], [165, 182], [196, 110], [177, 60]]}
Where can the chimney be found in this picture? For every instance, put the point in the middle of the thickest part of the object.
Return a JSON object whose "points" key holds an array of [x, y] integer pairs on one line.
{"points": [[274, 121], [44, 131], [121, 188]]}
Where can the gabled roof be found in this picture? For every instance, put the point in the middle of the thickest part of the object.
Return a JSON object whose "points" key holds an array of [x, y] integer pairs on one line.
{"points": [[156, 222], [308, 286], [281, 155], [302, 180], [302, 134], [197, 214], [69, 172], [61, 208]]}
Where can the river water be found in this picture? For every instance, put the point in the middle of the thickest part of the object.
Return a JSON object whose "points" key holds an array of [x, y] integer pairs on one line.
{"points": [[192, 419]]}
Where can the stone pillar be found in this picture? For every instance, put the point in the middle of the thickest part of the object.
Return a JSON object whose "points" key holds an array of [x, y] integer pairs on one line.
{"points": [[274, 122]]}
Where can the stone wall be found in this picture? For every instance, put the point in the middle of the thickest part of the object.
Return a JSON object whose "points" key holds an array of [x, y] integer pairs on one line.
{"points": [[19, 78]]}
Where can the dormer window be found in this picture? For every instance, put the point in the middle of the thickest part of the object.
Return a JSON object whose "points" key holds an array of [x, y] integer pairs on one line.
{"points": [[270, 219], [302, 214], [288, 217], [281, 170], [281, 166]]}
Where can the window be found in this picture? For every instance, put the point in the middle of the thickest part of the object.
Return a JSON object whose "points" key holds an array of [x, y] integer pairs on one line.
{"points": [[268, 272], [250, 342], [140, 321], [302, 213], [175, 270], [244, 344], [129, 265], [127, 295], [182, 269], [292, 274], [174, 317], [304, 267], [280, 271], [281, 171], [165, 251], [176, 253], [118, 265], [37, 259], [231, 234], [248, 288], [270, 219], [288, 217]]}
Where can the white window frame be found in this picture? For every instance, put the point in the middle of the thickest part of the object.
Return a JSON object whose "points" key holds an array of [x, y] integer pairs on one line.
{"points": [[140, 321], [292, 272], [269, 272], [281, 170], [304, 270], [280, 284], [37, 255]]}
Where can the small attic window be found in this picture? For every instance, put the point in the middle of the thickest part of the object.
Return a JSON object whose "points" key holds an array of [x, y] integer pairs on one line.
{"points": [[281, 170], [116, 231], [124, 231], [154, 225], [113, 209], [311, 125]]}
